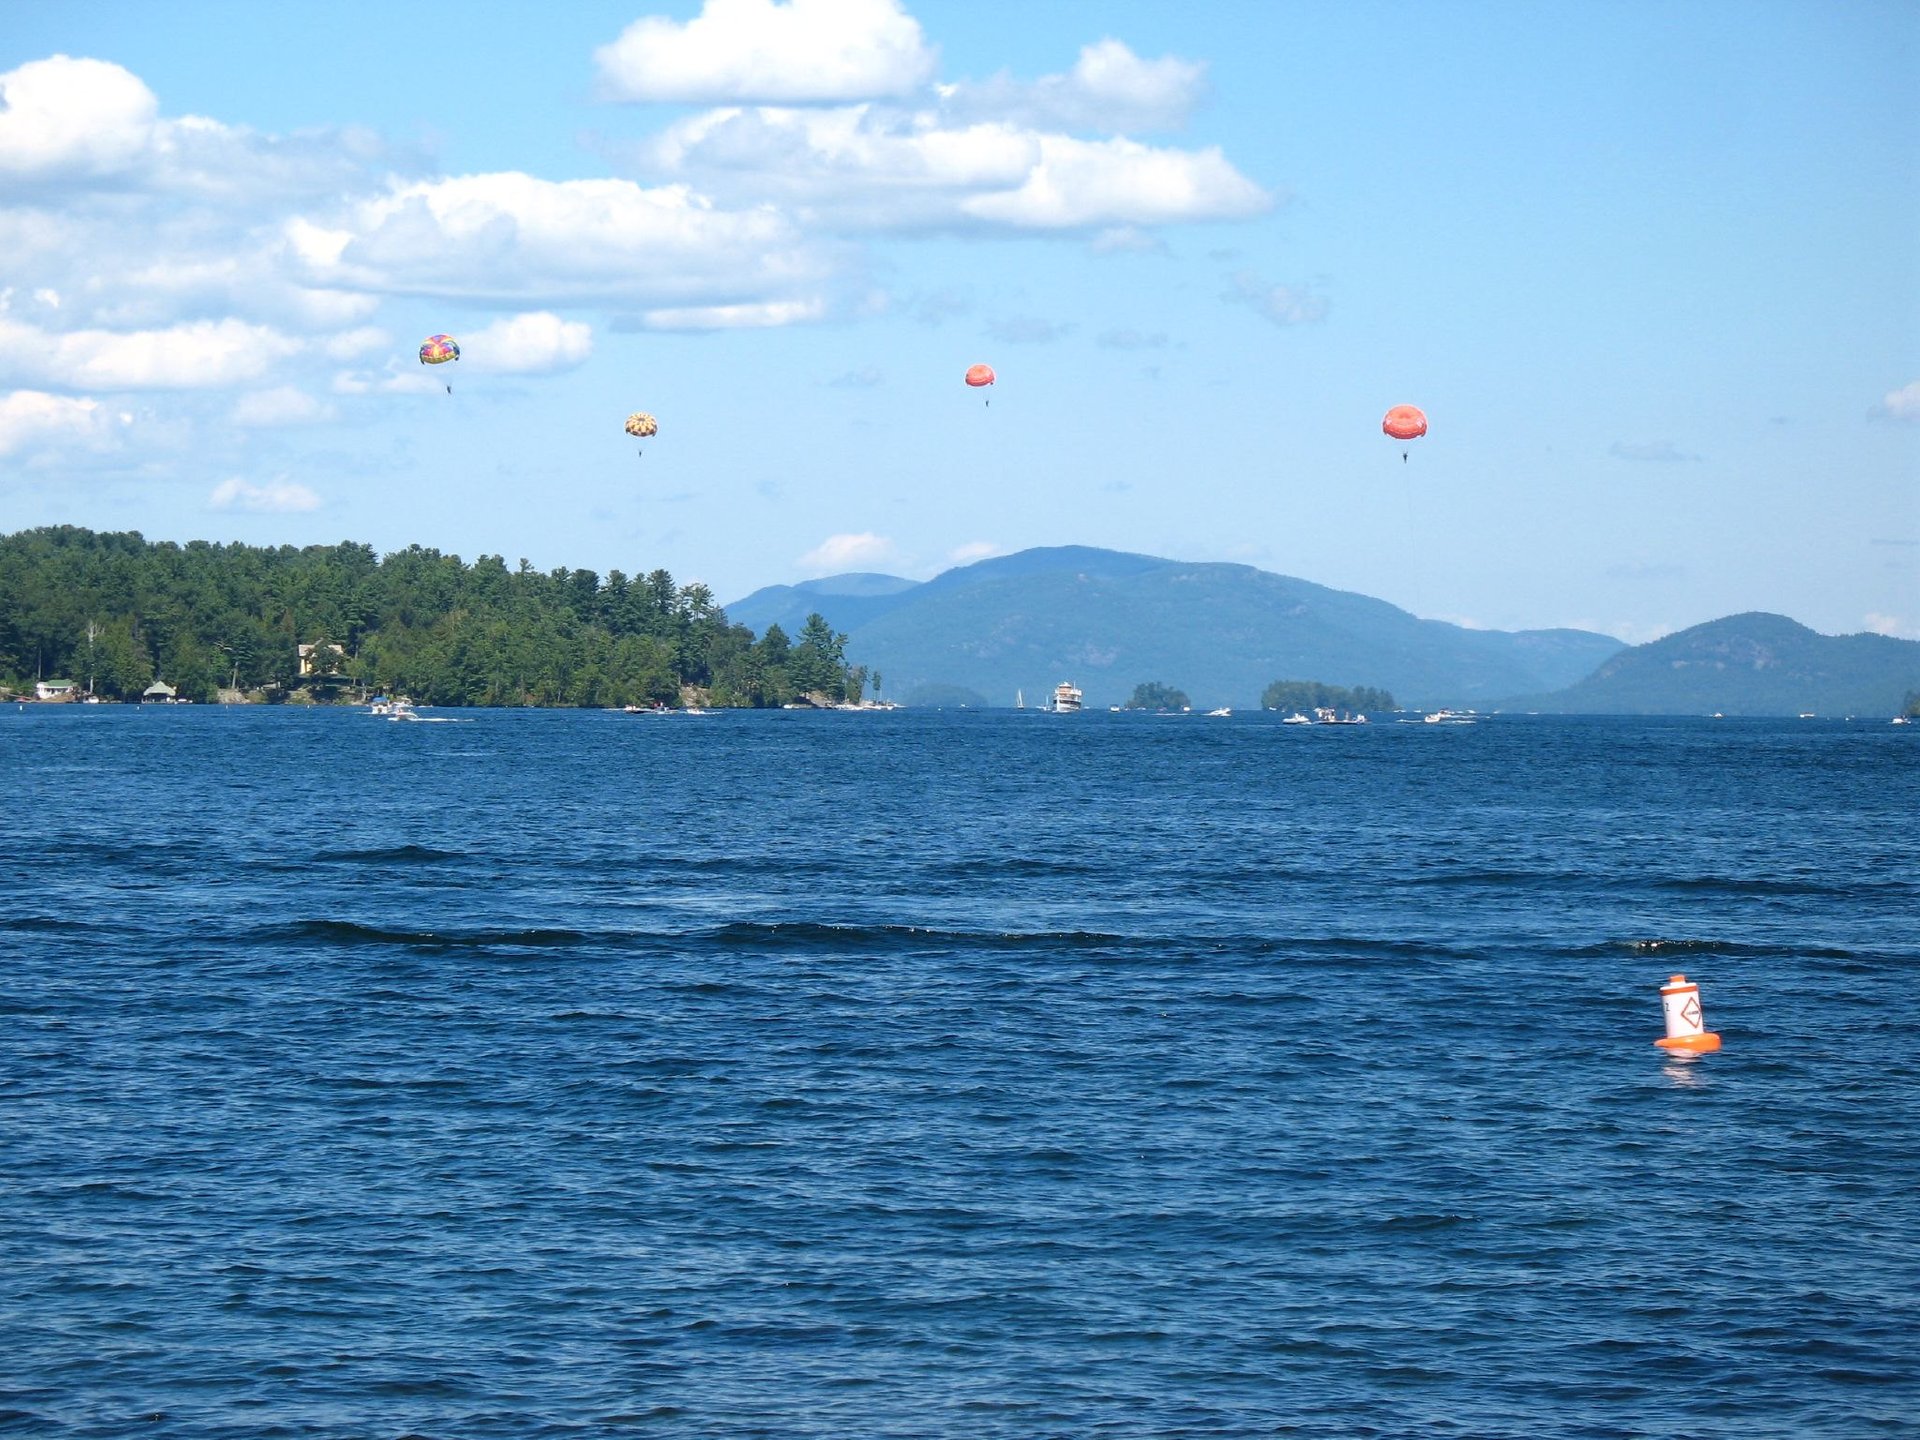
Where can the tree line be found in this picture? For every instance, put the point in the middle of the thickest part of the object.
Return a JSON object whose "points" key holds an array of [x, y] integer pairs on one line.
{"points": [[1301, 696], [114, 612]]}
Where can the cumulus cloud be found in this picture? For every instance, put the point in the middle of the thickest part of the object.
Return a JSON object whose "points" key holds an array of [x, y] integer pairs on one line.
{"points": [[284, 405], [512, 236], [538, 343], [203, 354], [62, 116], [1109, 88], [873, 167], [1652, 452], [1282, 304], [847, 552], [275, 497], [30, 419], [73, 122], [1901, 404], [802, 50], [1893, 625]]}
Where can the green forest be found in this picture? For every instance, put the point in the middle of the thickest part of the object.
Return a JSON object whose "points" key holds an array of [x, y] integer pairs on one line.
{"points": [[115, 612], [1153, 695], [1300, 696]]}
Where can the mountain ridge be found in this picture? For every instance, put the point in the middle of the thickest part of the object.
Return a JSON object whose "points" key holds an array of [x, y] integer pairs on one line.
{"points": [[1109, 620]]}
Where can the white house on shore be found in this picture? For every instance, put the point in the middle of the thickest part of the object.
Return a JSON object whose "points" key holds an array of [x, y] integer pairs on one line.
{"points": [[54, 689], [159, 693]]}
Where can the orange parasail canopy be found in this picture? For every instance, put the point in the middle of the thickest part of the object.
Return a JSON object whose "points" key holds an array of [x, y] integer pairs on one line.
{"points": [[1405, 422], [979, 375]]}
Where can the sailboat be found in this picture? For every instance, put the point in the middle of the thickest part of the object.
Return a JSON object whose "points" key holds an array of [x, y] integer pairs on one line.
{"points": [[1019, 699]]}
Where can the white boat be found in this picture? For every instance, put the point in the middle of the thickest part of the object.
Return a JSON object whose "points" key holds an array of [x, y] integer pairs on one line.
{"points": [[1296, 719], [1450, 717], [1223, 710], [401, 710], [1066, 698], [1019, 699]]}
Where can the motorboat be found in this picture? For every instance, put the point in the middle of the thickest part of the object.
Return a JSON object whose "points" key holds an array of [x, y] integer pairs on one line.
{"points": [[1066, 698]]}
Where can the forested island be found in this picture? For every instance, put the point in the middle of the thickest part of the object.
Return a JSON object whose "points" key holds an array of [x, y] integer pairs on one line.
{"points": [[115, 613], [1153, 695], [1308, 695]]}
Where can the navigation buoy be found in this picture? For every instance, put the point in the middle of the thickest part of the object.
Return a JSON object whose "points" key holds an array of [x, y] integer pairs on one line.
{"points": [[1687, 1031]]}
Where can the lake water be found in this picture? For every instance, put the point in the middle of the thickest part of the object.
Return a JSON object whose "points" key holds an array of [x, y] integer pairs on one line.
{"points": [[954, 1074]]}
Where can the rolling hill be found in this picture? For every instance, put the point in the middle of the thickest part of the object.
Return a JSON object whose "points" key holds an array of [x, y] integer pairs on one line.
{"points": [[1751, 664]]}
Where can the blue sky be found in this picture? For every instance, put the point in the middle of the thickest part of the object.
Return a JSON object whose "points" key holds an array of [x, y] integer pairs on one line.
{"points": [[1652, 270]]}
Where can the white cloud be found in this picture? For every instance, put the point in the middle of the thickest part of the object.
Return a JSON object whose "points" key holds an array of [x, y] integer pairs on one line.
{"points": [[1282, 304], [395, 378], [1893, 625], [762, 316], [74, 122], [275, 497], [534, 344], [869, 167], [512, 236], [847, 552], [1122, 182], [202, 354], [30, 419], [1109, 89], [803, 50], [62, 116], [350, 344], [284, 405], [971, 551], [1901, 404]]}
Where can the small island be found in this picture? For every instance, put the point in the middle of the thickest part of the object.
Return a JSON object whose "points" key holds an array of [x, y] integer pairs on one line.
{"points": [[1152, 695]]}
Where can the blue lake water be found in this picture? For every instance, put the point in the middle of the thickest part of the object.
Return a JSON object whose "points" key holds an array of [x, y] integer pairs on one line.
{"points": [[954, 1074]]}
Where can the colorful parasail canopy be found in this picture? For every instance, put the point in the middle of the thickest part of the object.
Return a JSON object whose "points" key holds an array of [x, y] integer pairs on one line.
{"points": [[978, 375], [1405, 422], [640, 425], [439, 349]]}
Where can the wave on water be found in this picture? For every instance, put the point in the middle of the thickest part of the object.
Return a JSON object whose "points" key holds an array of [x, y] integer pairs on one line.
{"points": [[388, 855], [1730, 948], [803, 937], [348, 933]]}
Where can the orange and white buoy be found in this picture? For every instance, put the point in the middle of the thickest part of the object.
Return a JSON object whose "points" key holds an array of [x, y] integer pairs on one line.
{"points": [[1687, 1032]]}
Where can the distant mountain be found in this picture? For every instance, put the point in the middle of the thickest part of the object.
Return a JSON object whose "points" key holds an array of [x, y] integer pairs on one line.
{"points": [[846, 600], [1109, 621], [1752, 664]]}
